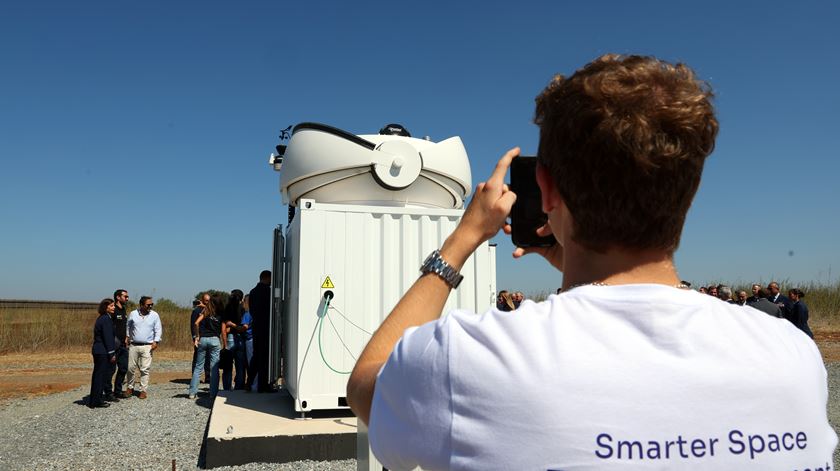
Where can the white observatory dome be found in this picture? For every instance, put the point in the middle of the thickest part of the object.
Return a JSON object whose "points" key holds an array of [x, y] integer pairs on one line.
{"points": [[333, 166]]}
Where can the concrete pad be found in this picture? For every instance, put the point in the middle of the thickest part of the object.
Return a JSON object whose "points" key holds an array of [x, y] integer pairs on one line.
{"points": [[251, 427]]}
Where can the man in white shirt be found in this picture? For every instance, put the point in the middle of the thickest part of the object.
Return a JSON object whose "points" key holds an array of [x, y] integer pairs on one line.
{"points": [[144, 333], [624, 369]]}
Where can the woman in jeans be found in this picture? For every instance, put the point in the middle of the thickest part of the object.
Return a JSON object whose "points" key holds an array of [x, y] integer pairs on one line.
{"points": [[208, 341]]}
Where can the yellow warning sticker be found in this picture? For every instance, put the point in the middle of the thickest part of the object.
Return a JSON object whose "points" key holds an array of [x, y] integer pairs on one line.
{"points": [[327, 283]]}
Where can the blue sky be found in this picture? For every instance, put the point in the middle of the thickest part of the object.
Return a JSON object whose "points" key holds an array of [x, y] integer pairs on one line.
{"points": [[134, 135]]}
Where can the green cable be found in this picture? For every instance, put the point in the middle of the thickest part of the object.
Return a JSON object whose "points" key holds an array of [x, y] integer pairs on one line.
{"points": [[320, 347]]}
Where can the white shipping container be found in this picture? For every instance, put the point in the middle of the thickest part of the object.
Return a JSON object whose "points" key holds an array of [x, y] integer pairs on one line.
{"points": [[366, 257]]}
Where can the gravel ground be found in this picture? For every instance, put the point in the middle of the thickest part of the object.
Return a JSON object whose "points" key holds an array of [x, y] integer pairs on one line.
{"points": [[58, 432], [834, 402]]}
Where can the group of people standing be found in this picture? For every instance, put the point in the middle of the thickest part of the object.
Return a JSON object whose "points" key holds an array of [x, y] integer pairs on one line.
{"points": [[769, 300], [230, 340], [229, 337], [122, 349]]}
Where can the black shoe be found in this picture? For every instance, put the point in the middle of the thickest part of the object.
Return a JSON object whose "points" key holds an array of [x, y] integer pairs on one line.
{"points": [[101, 405], [111, 398]]}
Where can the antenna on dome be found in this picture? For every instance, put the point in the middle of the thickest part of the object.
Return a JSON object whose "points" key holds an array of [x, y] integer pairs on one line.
{"points": [[285, 134], [394, 129], [276, 158]]}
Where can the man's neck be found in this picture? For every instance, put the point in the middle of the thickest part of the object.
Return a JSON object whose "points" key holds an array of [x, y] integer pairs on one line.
{"points": [[617, 267]]}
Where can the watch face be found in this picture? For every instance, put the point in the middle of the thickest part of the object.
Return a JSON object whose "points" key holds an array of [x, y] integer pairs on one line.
{"points": [[429, 262]]}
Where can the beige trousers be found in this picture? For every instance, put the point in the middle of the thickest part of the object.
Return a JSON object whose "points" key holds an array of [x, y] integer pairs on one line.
{"points": [[139, 358]]}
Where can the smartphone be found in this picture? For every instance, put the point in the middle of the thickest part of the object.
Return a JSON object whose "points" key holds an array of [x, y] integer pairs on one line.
{"points": [[526, 216]]}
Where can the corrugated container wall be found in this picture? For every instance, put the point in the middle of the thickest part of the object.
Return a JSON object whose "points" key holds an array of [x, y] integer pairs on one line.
{"points": [[367, 257]]}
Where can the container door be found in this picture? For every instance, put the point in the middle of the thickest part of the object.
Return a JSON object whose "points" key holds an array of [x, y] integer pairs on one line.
{"points": [[278, 271]]}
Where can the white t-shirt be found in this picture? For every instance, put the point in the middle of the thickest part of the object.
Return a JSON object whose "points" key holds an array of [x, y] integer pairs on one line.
{"points": [[605, 377]]}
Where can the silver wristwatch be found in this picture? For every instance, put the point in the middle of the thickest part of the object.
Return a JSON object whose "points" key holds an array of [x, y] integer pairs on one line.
{"points": [[436, 264]]}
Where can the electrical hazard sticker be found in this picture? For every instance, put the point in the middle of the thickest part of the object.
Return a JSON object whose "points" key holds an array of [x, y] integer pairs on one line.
{"points": [[327, 283]]}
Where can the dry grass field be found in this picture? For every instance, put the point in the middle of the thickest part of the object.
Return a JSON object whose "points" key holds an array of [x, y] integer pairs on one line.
{"points": [[56, 330], [43, 351]]}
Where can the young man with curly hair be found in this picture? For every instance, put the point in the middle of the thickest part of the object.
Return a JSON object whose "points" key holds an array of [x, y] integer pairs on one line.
{"points": [[625, 368]]}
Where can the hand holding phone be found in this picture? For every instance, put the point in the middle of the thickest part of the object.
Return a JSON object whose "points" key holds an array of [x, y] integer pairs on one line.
{"points": [[526, 216]]}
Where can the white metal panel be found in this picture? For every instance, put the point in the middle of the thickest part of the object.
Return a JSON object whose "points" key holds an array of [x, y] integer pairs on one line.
{"points": [[371, 255], [291, 362]]}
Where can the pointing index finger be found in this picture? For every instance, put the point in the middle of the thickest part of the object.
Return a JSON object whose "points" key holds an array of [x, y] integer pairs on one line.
{"points": [[502, 166]]}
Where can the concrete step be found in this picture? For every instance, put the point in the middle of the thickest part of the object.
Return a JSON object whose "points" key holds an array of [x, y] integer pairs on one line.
{"points": [[251, 427]]}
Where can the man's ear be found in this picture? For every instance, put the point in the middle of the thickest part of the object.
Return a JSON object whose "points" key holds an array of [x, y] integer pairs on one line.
{"points": [[550, 196]]}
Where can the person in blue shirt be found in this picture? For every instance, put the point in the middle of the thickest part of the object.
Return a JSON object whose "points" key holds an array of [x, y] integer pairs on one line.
{"points": [[246, 335], [103, 350], [144, 334]]}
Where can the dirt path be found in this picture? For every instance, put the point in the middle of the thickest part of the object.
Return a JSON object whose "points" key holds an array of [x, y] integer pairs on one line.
{"points": [[829, 343], [28, 374], [36, 374]]}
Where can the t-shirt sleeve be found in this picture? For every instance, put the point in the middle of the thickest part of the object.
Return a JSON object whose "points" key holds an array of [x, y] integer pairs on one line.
{"points": [[411, 413]]}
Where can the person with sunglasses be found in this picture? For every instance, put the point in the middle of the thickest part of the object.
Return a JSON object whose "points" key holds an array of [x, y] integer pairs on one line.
{"points": [[144, 333], [119, 369]]}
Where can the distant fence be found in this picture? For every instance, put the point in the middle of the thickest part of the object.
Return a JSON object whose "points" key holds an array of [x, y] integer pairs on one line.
{"points": [[27, 304]]}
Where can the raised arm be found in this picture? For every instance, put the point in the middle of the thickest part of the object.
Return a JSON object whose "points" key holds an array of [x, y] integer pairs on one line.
{"points": [[424, 301]]}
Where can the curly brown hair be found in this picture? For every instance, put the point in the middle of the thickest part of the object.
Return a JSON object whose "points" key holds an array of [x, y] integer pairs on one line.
{"points": [[625, 139]]}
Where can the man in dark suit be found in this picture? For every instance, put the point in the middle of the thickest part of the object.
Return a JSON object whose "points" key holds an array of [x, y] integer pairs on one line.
{"points": [[755, 289], [260, 300], [764, 305], [777, 298], [725, 294]]}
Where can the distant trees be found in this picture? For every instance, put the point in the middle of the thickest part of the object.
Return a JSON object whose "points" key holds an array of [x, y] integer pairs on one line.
{"points": [[161, 304]]}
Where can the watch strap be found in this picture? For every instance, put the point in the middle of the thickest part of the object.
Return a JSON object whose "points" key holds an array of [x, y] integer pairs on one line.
{"points": [[436, 264]]}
